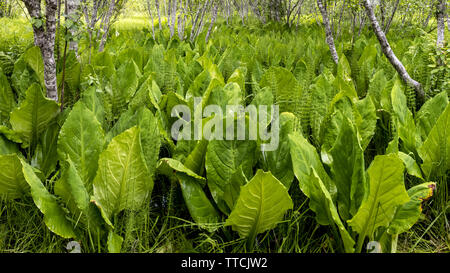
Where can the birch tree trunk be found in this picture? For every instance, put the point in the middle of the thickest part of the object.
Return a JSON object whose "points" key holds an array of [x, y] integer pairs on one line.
{"points": [[328, 32], [387, 50], [440, 23], [181, 21], [388, 25], [213, 19], [149, 8], [108, 16], [159, 13], [173, 14], [45, 39], [74, 15]]}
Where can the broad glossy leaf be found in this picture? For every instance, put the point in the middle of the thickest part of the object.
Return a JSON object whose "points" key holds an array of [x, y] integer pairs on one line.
{"points": [[81, 139], [223, 158], [408, 214], [198, 204], [386, 192], [279, 162], [304, 160], [45, 155], [123, 180], [348, 170], [376, 86], [33, 58], [114, 242], [404, 120], [261, 205], [230, 94], [435, 151], [149, 133], [33, 115], [365, 120], [170, 167], [239, 76], [12, 182], [7, 147], [322, 204], [92, 101], [411, 165], [73, 192], [429, 113], [7, 101], [54, 215]]}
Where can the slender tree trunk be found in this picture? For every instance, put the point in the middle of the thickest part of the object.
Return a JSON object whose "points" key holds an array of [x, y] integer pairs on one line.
{"points": [[159, 14], [440, 23], [388, 25], [173, 14], [328, 32], [387, 50], [149, 8], [213, 19], [181, 21], [45, 40], [73, 14], [58, 28], [340, 18], [108, 16], [383, 15]]}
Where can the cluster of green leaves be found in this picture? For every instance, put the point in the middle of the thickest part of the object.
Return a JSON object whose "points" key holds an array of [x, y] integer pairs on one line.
{"points": [[112, 144]]}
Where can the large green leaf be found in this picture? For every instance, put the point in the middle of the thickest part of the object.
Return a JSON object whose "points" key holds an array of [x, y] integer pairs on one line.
{"points": [[7, 147], [435, 151], [278, 162], [33, 58], [199, 206], [12, 182], [81, 139], [149, 133], [348, 170], [411, 165], [429, 113], [386, 192], [123, 180], [71, 189], [7, 101], [322, 204], [408, 214], [33, 115], [304, 159], [365, 120], [92, 101], [170, 167], [404, 120], [261, 205], [45, 155], [223, 158], [54, 215]]}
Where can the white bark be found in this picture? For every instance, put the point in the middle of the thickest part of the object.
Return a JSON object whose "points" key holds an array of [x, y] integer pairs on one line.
{"points": [[149, 8], [74, 15], [328, 32], [440, 23], [106, 24], [44, 37], [387, 50], [213, 19]]}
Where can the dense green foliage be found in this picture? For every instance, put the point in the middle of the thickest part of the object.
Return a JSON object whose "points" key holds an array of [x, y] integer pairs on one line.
{"points": [[357, 158]]}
